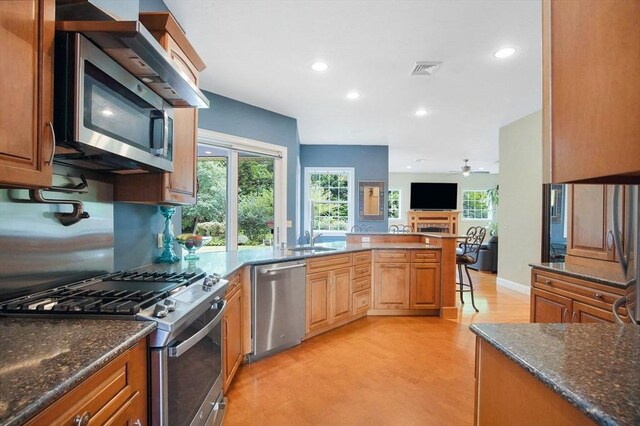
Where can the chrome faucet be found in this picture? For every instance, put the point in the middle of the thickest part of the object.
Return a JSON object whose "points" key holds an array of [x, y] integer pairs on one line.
{"points": [[311, 238]]}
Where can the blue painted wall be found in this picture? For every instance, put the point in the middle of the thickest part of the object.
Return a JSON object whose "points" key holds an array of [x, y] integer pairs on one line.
{"points": [[371, 163], [236, 118]]}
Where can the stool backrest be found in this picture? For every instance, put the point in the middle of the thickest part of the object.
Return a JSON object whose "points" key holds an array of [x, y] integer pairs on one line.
{"points": [[471, 245]]}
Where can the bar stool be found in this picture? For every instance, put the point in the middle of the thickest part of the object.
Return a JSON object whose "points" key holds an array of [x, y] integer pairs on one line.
{"points": [[467, 254]]}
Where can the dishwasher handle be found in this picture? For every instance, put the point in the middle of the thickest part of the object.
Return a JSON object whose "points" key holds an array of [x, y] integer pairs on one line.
{"points": [[282, 268]]}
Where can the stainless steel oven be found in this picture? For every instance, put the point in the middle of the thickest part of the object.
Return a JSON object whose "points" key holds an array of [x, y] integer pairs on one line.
{"points": [[104, 117], [186, 360]]}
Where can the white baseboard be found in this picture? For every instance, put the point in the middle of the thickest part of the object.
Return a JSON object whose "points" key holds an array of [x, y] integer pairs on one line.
{"points": [[512, 285]]}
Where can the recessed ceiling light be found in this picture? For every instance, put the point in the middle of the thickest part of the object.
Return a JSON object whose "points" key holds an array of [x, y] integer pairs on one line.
{"points": [[408, 167], [505, 52], [107, 112], [480, 168], [319, 66], [421, 112], [353, 95], [420, 160], [208, 152]]}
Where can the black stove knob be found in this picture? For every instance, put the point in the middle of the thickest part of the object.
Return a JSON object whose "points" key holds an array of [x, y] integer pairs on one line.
{"points": [[160, 311]]}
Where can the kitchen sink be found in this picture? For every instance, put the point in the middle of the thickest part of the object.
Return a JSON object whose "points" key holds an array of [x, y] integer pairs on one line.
{"points": [[311, 248]]}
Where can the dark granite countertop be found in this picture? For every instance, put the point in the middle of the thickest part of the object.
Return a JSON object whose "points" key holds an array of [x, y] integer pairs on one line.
{"points": [[42, 359], [596, 367], [227, 262], [613, 279]]}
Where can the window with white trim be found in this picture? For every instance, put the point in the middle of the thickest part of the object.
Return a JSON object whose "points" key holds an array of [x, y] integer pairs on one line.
{"points": [[329, 192], [476, 205], [394, 204]]}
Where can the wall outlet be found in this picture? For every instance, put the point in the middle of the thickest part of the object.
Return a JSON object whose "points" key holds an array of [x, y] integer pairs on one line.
{"points": [[366, 239], [160, 243], [426, 241]]}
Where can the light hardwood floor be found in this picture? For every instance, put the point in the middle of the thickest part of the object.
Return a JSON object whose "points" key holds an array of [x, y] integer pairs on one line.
{"points": [[375, 371]]}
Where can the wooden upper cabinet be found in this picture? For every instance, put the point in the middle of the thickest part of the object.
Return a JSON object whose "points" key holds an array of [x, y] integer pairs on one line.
{"points": [[180, 186], [591, 90], [27, 29], [590, 222]]}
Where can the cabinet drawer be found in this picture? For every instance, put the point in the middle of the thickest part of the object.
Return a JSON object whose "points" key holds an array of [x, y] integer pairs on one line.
{"points": [[326, 263], [361, 283], [117, 389], [583, 291], [234, 285], [425, 256], [360, 271], [361, 301], [392, 256], [362, 257]]}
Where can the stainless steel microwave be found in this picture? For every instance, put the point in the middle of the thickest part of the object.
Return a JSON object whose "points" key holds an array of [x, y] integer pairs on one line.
{"points": [[104, 117]]}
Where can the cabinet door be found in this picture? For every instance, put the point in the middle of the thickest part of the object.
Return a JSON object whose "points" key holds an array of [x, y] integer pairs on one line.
{"points": [[318, 290], [392, 286], [549, 307], [588, 231], [586, 313], [341, 297], [26, 140], [425, 286], [594, 127], [232, 336], [181, 184]]}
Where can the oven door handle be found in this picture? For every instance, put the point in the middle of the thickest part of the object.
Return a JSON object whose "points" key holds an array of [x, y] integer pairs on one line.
{"points": [[176, 351]]}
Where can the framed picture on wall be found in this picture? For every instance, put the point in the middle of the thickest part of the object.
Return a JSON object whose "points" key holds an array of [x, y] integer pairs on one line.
{"points": [[371, 198]]}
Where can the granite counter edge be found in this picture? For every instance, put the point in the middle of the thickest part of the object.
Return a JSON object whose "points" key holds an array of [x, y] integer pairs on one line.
{"points": [[61, 389], [594, 413], [582, 276]]}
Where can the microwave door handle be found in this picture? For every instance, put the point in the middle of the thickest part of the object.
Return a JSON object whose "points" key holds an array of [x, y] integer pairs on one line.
{"points": [[176, 351], [165, 133], [158, 134], [617, 234]]}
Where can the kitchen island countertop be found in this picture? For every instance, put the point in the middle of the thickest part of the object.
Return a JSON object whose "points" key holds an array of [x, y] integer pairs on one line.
{"points": [[42, 359], [595, 367]]}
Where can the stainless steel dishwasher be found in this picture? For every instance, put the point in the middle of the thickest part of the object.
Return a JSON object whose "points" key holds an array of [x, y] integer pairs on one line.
{"points": [[278, 307]]}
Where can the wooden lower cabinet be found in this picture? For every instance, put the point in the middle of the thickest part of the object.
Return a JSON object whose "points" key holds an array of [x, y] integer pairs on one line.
{"points": [[232, 335], [392, 285], [361, 301], [115, 395], [328, 299], [549, 307], [556, 299], [425, 286], [507, 394]]}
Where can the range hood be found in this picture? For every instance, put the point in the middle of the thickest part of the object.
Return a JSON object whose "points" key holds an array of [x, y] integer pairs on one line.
{"points": [[131, 45]]}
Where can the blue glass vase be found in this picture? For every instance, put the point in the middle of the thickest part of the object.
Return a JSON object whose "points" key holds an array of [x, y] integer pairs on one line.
{"points": [[168, 255]]}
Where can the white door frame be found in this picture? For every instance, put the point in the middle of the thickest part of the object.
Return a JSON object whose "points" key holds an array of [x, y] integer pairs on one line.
{"points": [[279, 153]]}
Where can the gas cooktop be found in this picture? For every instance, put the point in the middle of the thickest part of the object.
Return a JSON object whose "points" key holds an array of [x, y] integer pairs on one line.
{"points": [[119, 294]]}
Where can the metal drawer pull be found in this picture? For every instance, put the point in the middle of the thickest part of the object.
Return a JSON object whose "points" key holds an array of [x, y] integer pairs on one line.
{"points": [[82, 420], [547, 282], [564, 315], [573, 316], [599, 296]]}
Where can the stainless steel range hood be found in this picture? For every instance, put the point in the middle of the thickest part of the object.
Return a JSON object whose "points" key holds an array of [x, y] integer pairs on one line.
{"points": [[134, 48]]}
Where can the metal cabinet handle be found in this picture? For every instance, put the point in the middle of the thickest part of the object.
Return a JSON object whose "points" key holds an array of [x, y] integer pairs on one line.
{"points": [[53, 142], [547, 282], [564, 315], [573, 316], [82, 420], [598, 296], [138, 422]]}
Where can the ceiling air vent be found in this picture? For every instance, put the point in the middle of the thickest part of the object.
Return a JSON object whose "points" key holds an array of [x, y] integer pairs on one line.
{"points": [[425, 68]]}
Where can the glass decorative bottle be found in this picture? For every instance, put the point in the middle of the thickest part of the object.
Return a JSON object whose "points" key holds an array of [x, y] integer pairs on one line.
{"points": [[168, 255]]}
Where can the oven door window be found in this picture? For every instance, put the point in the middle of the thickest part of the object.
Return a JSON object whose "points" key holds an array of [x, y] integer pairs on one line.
{"points": [[114, 111], [193, 373]]}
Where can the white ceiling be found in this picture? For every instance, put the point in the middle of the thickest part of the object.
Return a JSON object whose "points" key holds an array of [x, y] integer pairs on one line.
{"points": [[260, 52]]}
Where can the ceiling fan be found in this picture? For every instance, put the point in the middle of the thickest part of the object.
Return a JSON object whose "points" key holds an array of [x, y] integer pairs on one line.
{"points": [[465, 170]]}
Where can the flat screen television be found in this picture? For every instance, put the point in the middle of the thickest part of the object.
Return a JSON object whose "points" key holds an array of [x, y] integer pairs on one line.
{"points": [[434, 196]]}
